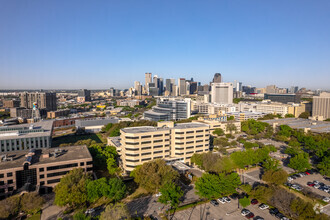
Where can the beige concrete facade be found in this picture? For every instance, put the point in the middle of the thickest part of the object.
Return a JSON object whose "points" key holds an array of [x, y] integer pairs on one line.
{"points": [[44, 169], [223, 125], [321, 105], [142, 144]]}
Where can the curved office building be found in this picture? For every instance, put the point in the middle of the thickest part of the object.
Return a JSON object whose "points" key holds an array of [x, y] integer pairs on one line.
{"points": [[169, 109]]}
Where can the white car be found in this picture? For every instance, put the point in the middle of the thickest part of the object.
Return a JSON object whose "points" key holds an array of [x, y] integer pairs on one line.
{"points": [[226, 199], [89, 211], [263, 206], [245, 212], [316, 186], [290, 178], [326, 199], [222, 200], [316, 182]]}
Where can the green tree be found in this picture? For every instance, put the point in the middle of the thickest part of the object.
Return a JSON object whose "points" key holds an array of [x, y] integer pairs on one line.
{"points": [[289, 116], [152, 175], [324, 166], [263, 193], [197, 159], [31, 203], [107, 127], [270, 164], [231, 127], [300, 162], [277, 177], [80, 216], [170, 193], [231, 118], [113, 188], [115, 211], [244, 202], [304, 115], [72, 189], [213, 186], [9, 207], [218, 131]]}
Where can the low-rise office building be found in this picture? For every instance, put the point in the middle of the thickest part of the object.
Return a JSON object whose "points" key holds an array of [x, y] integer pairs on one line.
{"points": [[283, 98], [58, 113], [244, 116], [94, 125], [26, 136], [42, 168], [223, 125], [142, 144]]}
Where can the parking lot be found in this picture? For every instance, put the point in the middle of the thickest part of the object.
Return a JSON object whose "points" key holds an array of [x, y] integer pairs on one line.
{"points": [[227, 211], [310, 178]]}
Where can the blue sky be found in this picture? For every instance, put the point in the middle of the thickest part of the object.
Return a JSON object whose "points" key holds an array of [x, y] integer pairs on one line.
{"points": [[100, 44]]}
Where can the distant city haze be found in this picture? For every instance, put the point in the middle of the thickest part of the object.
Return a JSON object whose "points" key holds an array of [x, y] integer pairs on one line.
{"points": [[101, 44]]}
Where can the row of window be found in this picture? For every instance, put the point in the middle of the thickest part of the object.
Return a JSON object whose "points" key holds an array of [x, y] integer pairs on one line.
{"points": [[146, 136], [8, 175], [190, 142], [8, 182]]}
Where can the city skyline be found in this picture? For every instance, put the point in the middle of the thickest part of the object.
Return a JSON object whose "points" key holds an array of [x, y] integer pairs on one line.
{"points": [[57, 45]]}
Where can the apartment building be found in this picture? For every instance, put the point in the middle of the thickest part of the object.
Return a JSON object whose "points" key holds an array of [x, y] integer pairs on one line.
{"points": [[25, 137], [167, 141], [43, 100], [244, 116], [58, 113], [42, 168]]}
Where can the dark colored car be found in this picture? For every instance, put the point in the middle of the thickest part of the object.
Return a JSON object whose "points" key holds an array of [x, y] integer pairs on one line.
{"points": [[310, 184], [250, 215], [214, 202], [258, 218], [273, 211], [279, 215], [254, 201]]}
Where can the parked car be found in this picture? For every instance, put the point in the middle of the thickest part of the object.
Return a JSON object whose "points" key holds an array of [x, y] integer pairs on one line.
{"points": [[263, 206], [316, 186], [259, 218], [284, 218], [250, 215], [308, 173], [158, 194], [245, 212], [326, 199], [222, 200], [279, 215], [214, 202], [310, 184], [290, 178], [254, 201], [226, 199], [316, 182], [89, 211], [273, 211]]}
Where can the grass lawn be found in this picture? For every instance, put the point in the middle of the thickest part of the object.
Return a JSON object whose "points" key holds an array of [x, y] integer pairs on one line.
{"points": [[74, 138], [35, 217]]}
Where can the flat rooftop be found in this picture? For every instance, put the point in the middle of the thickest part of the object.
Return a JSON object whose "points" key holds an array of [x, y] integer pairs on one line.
{"points": [[190, 125], [300, 123], [143, 129], [38, 129], [70, 153]]}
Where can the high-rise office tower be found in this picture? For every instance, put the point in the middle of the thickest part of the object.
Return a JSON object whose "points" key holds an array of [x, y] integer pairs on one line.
{"points": [[222, 93], [217, 78], [148, 79], [237, 86], [84, 95], [321, 105], [193, 88], [44, 100], [168, 86], [160, 86], [182, 86], [271, 89]]}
